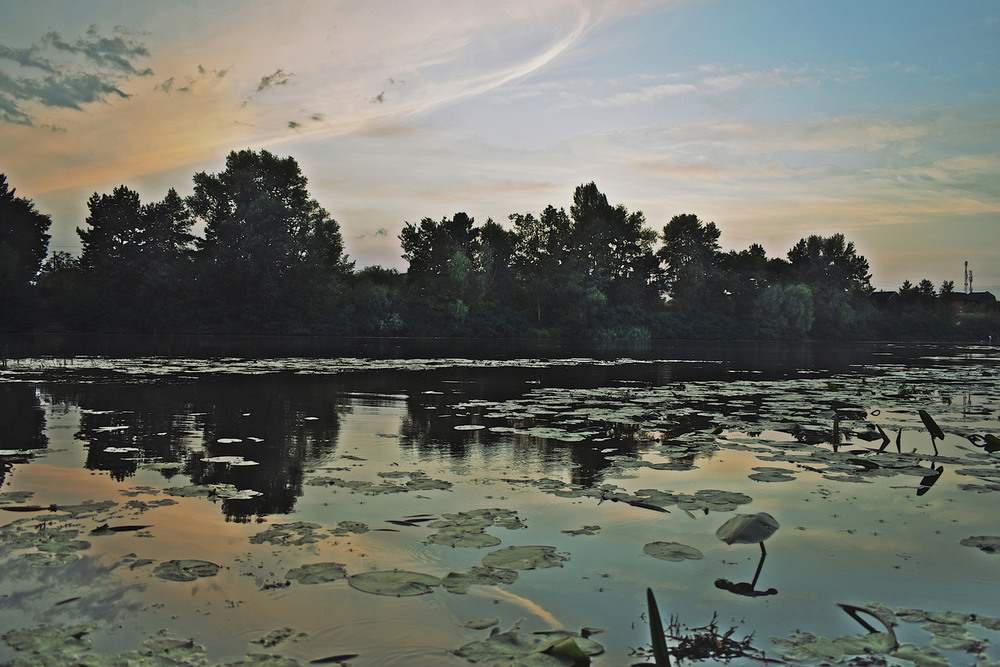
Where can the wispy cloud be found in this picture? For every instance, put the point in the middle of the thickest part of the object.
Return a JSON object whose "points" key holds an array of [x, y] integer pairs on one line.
{"points": [[57, 73], [381, 232], [279, 78], [646, 95], [202, 77], [116, 52]]}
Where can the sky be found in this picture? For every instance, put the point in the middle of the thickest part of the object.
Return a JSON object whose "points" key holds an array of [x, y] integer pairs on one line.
{"points": [[774, 119]]}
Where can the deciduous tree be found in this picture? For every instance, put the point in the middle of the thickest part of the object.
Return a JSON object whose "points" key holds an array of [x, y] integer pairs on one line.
{"points": [[24, 242], [689, 256], [24, 238], [832, 262], [270, 251]]}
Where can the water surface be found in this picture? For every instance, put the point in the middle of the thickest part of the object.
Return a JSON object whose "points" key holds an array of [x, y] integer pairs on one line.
{"points": [[375, 442]]}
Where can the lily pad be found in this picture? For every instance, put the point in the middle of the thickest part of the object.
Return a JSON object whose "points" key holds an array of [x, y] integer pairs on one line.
{"points": [[279, 636], [23, 534], [263, 660], [807, 647], [289, 534], [459, 582], [462, 537], [185, 570], [398, 583], [772, 474], [231, 460], [482, 623], [172, 651], [516, 649], [88, 508], [524, 558], [317, 573], [465, 529], [190, 491], [672, 551], [347, 527], [45, 559], [925, 657], [49, 640]]}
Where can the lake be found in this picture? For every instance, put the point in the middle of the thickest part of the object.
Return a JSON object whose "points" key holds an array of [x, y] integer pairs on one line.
{"points": [[385, 502]]}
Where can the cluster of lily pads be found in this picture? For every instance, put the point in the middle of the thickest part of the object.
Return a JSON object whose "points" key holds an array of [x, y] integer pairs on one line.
{"points": [[952, 636], [418, 481], [62, 645], [153, 368], [808, 424], [461, 529], [49, 536]]}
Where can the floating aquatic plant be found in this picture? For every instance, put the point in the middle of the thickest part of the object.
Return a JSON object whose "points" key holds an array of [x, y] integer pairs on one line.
{"points": [[279, 636], [466, 529], [396, 583], [296, 533], [772, 474], [347, 527], [459, 582], [317, 573], [524, 558], [949, 632], [50, 640], [672, 551], [514, 648], [185, 570]]}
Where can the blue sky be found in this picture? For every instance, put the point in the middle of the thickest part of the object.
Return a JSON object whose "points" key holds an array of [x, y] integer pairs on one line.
{"points": [[773, 119]]}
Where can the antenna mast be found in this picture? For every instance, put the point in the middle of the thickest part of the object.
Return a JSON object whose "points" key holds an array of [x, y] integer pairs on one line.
{"points": [[965, 287]]}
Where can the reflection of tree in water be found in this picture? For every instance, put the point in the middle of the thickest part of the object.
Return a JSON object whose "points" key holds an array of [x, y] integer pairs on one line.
{"points": [[22, 422], [125, 426], [280, 423], [429, 429], [429, 426], [262, 419]]}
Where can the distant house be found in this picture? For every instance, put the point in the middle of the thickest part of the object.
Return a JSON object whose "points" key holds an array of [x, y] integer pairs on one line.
{"points": [[962, 301]]}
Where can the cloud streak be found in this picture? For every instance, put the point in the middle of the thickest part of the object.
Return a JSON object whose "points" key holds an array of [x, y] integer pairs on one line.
{"points": [[113, 53], [59, 74]]}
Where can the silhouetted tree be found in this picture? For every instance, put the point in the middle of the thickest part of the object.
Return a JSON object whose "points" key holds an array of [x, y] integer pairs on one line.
{"points": [[613, 247], [690, 257], [745, 274], [111, 241], [135, 259], [783, 311], [460, 276], [377, 296], [494, 258], [64, 296], [24, 242], [271, 255], [838, 278], [541, 254], [832, 262]]}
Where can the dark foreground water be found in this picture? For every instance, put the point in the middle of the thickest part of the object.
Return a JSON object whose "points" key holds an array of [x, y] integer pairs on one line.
{"points": [[161, 501]]}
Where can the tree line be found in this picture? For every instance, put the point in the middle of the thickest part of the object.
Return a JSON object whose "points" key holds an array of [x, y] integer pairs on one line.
{"points": [[270, 259]]}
